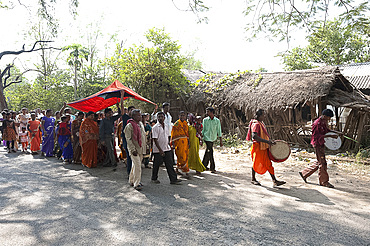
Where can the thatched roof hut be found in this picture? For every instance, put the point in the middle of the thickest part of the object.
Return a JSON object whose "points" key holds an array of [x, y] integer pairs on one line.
{"points": [[291, 99]]}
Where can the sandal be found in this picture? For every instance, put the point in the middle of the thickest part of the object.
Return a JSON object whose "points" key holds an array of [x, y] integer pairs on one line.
{"points": [[304, 179], [278, 183], [328, 185], [139, 187], [255, 182]]}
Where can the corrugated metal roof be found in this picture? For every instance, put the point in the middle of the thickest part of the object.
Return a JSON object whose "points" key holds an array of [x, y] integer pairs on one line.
{"points": [[358, 74]]}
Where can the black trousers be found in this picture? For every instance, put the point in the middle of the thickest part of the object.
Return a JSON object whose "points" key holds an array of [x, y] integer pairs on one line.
{"points": [[8, 144], [208, 156], [168, 161]]}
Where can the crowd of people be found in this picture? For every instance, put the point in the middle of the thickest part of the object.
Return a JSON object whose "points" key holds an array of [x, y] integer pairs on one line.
{"points": [[90, 139]]}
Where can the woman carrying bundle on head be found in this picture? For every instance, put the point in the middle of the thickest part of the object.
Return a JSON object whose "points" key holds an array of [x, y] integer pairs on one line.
{"points": [[259, 151]]}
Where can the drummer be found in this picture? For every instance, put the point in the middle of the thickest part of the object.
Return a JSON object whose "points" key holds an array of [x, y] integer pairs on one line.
{"points": [[319, 129], [259, 151]]}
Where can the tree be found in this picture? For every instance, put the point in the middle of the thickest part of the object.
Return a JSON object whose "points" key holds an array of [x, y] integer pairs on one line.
{"points": [[39, 94], [277, 18], [155, 71], [8, 78], [52, 85], [94, 74], [75, 60], [330, 44], [45, 9], [296, 59]]}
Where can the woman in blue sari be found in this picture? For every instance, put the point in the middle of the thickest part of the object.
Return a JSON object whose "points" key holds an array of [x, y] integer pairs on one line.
{"points": [[47, 127], [64, 139]]}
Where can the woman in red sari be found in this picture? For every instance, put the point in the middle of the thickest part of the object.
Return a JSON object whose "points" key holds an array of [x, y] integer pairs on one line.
{"points": [[89, 135], [35, 133], [259, 151]]}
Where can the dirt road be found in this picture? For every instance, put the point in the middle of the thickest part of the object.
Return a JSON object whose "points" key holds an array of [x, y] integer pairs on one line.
{"points": [[44, 202]]}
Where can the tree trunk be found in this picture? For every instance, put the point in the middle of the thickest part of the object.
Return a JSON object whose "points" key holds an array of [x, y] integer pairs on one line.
{"points": [[75, 80], [3, 104]]}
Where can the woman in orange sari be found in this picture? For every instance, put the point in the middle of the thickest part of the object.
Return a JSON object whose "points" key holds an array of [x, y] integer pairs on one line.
{"points": [[89, 135], [35, 133], [180, 141], [259, 151]]}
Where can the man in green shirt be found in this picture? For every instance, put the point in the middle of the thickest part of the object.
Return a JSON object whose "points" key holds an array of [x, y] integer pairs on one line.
{"points": [[211, 130]]}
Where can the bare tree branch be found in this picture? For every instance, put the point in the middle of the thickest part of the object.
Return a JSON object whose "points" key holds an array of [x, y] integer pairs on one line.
{"points": [[7, 70], [13, 82], [26, 51], [18, 78]]}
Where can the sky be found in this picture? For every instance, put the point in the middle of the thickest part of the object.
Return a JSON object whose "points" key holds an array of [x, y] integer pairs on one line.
{"points": [[221, 44]]}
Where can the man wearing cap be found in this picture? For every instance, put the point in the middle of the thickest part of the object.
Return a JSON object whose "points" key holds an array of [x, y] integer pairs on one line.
{"points": [[319, 129]]}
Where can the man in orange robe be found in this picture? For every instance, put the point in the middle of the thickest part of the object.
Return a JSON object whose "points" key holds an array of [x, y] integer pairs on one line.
{"points": [[180, 141], [35, 133], [259, 151], [89, 135]]}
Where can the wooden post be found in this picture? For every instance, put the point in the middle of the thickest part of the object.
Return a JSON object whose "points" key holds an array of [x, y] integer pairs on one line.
{"points": [[338, 126], [362, 119], [312, 109]]}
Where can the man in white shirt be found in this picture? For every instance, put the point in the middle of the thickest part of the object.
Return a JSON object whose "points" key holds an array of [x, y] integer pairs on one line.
{"points": [[168, 123], [162, 150], [168, 117]]}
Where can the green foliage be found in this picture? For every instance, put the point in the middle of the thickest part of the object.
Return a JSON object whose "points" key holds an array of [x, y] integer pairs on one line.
{"points": [[336, 44], [277, 18], [362, 155], [214, 85], [92, 79], [330, 44], [45, 92], [257, 81], [77, 55], [155, 71], [46, 11], [191, 63], [296, 59], [232, 140]]}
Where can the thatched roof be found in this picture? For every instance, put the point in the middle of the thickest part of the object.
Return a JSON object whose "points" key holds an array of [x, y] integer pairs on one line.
{"points": [[278, 90]]}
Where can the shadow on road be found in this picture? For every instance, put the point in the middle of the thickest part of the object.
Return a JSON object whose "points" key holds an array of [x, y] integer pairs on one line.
{"points": [[302, 195]]}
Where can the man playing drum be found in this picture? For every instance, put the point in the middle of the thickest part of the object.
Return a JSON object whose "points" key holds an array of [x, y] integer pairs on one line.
{"points": [[259, 151], [319, 129]]}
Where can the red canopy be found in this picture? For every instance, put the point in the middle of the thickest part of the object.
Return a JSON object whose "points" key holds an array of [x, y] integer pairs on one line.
{"points": [[106, 98]]}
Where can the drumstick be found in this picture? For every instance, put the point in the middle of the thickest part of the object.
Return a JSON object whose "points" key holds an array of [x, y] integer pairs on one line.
{"points": [[350, 138]]}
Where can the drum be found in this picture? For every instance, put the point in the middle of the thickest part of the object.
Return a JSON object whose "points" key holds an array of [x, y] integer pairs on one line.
{"points": [[280, 151], [332, 143]]}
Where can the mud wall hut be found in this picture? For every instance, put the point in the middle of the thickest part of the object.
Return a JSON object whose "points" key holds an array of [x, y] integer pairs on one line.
{"points": [[291, 99]]}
